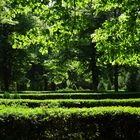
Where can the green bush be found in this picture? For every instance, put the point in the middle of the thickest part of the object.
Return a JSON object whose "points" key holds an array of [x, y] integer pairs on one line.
{"points": [[100, 123], [72, 103], [15, 96], [6, 95], [79, 96]]}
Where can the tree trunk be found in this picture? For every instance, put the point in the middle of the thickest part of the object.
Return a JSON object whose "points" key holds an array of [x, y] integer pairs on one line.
{"points": [[6, 80], [45, 84], [6, 69], [6, 66], [94, 69], [110, 76], [116, 74], [95, 78], [6, 57]]}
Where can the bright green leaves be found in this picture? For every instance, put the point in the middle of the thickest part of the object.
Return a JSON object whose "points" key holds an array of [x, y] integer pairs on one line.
{"points": [[104, 6], [33, 37], [5, 13], [31, 28], [62, 23], [119, 36]]}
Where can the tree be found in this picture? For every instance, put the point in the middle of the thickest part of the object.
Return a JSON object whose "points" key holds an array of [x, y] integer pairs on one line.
{"points": [[118, 38], [70, 34], [17, 22], [6, 22]]}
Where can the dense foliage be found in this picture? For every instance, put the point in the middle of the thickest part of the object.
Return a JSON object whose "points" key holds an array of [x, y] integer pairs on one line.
{"points": [[69, 45], [93, 123], [58, 44], [44, 96], [69, 103]]}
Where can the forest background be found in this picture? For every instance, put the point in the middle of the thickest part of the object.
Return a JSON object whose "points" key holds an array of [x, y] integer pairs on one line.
{"points": [[69, 44]]}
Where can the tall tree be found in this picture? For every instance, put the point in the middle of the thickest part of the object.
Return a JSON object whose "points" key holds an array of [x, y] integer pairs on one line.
{"points": [[18, 23], [119, 36], [70, 33]]}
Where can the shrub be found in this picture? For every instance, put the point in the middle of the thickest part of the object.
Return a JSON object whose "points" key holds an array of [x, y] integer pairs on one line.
{"points": [[6, 95], [72, 103], [114, 123], [80, 96], [15, 96]]}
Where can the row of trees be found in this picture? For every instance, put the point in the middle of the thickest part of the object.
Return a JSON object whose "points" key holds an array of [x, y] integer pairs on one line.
{"points": [[49, 44]]}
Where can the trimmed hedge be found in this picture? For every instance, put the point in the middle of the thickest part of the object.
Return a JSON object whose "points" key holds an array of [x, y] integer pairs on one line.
{"points": [[100, 123], [67, 91], [76, 96], [72, 103]]}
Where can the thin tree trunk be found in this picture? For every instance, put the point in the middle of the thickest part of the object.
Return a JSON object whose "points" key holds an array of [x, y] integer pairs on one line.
{"points": [[94, 69], [6, 57], [95, 78], [45, 84], [6, 83], [6, 66], [110, 76], [116, 74], [6, 73]]}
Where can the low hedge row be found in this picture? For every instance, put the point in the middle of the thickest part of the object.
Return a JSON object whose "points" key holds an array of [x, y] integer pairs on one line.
{"points": [[100, 123], [67, 91], [72, 103], [74, 96]]}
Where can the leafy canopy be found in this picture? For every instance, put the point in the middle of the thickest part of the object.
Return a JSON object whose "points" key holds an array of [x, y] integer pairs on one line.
{"points": [[119, 36]]}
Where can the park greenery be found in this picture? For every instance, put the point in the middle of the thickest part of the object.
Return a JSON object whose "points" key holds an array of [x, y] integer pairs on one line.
{"points": [[69, 44], [69, 69], [41, 123]]}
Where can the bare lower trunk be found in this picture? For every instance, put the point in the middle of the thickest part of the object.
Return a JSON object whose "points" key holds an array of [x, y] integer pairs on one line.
{"points": [[116, 73], [95, 70]]}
